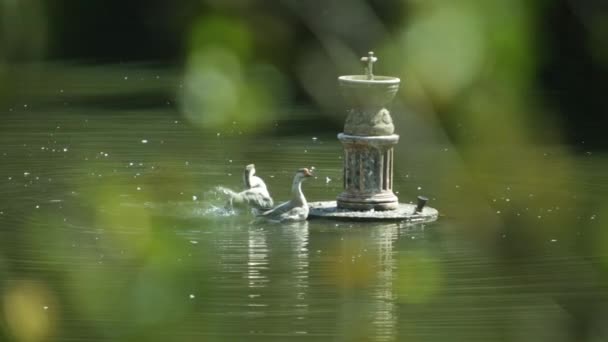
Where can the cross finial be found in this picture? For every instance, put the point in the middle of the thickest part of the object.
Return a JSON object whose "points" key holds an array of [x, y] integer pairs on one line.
{"points": [[370, 60]]}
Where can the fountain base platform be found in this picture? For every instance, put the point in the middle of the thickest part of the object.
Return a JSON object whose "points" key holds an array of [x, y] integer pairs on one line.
{"points": [[404, 212]]}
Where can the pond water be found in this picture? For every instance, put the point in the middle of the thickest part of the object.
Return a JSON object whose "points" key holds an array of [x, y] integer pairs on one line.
{"points": [[110, 230]]}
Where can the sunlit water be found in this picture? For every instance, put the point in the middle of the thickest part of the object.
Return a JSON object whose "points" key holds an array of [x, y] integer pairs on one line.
{"points": [[110, 230]]}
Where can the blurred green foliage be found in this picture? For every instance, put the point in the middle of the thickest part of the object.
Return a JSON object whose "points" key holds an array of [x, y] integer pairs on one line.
{"points": [[102, 232]]}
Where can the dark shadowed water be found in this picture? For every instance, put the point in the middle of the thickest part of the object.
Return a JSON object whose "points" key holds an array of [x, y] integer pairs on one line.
{"points": [[110, 231]]}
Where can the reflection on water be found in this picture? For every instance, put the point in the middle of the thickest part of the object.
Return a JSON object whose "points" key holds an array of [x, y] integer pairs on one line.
{"points": [[264, 282], [384, 313], [104, 237]]}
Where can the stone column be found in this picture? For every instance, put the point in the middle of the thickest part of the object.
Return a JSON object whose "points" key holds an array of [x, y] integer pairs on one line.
{"points": [[368, 172]]}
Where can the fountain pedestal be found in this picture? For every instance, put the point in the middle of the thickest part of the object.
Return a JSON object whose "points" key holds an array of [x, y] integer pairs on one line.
{"points": [[369, 139]]}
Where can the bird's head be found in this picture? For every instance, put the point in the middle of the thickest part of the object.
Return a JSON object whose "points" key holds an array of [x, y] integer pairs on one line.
{"points": [[250, 169], [304, 173]]}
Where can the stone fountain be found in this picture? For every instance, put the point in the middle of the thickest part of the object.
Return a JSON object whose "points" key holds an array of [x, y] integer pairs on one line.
{"points": [[369, 139]]}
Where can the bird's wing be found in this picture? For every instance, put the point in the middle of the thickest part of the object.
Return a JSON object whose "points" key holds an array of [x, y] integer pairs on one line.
{"points": [[257, 198], [225, 191], [257, 182], [278, 210], [296, 214]]}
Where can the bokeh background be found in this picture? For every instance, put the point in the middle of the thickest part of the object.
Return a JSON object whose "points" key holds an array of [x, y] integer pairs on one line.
{"points": [[117, 116], [540, 65]]}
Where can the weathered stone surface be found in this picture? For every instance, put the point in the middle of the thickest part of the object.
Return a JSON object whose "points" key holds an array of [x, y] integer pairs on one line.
{"points": [[368, 123], [368, 173], [368, 141], [403, 212], [367, 100]]}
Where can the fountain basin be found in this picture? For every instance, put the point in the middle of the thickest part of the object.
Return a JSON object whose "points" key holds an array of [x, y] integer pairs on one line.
{"points": [[403, 212], [358, 90], [366, 101]]}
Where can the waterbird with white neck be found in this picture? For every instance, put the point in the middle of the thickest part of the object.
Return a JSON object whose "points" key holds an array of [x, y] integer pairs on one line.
{"points": [[255, 195], [296, 209]]}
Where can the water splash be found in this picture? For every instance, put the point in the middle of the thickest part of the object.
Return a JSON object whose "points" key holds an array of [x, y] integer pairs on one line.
{"points": [[218, 211], [217, 204]]}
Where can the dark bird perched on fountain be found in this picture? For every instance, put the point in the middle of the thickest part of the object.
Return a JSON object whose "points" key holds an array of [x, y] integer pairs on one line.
{"points": [[255, 195], [296, 209]]}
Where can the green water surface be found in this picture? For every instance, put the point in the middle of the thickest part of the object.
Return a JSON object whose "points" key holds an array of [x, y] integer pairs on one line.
{"points": [[109, 231]]}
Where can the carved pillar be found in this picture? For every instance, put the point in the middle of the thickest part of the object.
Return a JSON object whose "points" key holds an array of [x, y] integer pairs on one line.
{"points": [[368, 172]]}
